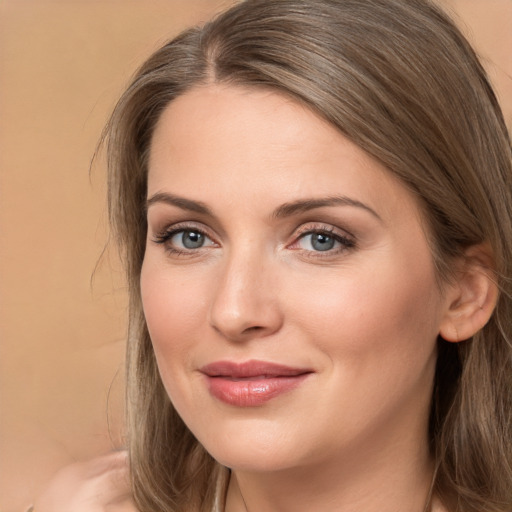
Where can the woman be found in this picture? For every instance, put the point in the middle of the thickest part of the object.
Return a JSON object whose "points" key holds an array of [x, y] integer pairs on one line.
{"points": [[314, 204]]}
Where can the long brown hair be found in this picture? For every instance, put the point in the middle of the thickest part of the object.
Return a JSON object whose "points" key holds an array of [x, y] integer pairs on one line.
{"points": [[398, 79]]}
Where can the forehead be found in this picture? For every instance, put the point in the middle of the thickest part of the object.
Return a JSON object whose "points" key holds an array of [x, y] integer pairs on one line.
{"points": [[241, 122], [220, 143]]}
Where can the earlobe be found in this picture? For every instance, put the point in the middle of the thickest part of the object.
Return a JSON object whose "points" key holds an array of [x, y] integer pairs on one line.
{"points": [[471, 299]]}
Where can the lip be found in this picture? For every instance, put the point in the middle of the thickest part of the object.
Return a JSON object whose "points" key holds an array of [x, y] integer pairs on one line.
{"points": [[251, 383]]}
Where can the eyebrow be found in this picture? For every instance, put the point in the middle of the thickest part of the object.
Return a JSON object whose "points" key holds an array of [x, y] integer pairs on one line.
{"points": [[285, 210], [180, 202], [304, 205]]}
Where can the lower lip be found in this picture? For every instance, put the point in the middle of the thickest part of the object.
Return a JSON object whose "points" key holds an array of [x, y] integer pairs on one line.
{"points": [[251, 393]]}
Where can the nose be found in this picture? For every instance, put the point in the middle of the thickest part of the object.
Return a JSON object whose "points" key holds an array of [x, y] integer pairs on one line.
{"points": [[245, 303]]}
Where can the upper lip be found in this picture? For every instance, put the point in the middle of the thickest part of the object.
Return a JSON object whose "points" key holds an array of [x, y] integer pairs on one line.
{"points": [[249, 369]]}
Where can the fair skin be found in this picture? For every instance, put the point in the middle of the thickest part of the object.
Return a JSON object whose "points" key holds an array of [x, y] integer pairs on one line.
{"points": [[273, 239], [361, 317], [99, 485]]}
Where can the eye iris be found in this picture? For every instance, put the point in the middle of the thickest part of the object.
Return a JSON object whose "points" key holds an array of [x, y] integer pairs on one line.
{"points": [[192, 239], [321, 242]]}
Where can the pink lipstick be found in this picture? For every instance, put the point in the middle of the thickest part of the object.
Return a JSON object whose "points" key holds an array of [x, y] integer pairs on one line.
{"points": [[251, 383]]}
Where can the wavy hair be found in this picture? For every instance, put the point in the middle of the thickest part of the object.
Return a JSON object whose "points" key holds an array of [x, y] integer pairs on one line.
{"points": [[398, 79]]}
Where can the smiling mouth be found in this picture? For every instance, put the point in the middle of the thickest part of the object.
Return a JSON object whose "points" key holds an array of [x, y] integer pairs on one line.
{"points": [[251, 383]]}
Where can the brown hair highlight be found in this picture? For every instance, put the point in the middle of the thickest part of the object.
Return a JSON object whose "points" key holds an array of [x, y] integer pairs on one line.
{"points": [[398, 79]]}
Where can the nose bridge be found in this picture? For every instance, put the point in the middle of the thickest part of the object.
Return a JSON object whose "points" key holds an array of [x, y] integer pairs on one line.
{"points": [[245, 302]]}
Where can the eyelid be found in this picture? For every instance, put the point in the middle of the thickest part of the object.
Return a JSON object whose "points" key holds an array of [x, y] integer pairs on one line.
{"points": [[321, 227], [344, 237], [163, 236], [183, 226]]}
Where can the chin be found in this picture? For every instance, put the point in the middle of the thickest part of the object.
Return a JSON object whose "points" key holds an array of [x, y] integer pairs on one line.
{"points": [[259, 461], [255, 450]]}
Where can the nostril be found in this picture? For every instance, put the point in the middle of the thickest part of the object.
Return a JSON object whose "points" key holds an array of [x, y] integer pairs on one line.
{"points": [[254, 328]]}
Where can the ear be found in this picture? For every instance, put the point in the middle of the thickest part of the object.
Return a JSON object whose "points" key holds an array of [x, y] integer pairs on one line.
{"points": [[471, 299]]}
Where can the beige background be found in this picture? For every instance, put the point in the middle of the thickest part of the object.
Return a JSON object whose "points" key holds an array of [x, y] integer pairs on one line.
{"points": [[62, 65]]}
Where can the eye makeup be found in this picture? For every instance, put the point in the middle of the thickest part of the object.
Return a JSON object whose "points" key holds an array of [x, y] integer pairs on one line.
{"points": [[314, 240]]}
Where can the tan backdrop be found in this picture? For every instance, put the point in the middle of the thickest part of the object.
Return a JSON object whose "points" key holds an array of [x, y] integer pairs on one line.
{"points": [[62, 65]]}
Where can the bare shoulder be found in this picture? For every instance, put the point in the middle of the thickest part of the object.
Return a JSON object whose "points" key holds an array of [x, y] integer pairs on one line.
{"points": [[98, 485], [437, 506]]}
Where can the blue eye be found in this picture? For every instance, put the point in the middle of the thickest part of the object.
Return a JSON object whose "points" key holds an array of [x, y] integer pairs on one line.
{"points": [[318, 242], [182, 241], [189, 239]]}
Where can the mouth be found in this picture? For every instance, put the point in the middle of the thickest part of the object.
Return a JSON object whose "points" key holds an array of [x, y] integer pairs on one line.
{"points": [[251, 383]]}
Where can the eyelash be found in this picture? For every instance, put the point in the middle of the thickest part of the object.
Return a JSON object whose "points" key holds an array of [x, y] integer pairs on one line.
{"points": [[165, 236], [346, 242]]}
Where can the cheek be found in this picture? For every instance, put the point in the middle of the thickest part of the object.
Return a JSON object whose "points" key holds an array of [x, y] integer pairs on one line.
{"points": [[373, 313], [175, 308]]}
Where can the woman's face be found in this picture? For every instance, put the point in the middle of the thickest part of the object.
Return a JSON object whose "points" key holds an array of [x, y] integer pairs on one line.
{"points": [[287, 284]]}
